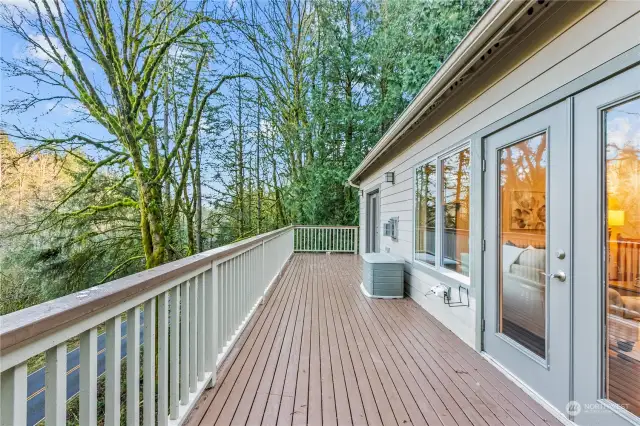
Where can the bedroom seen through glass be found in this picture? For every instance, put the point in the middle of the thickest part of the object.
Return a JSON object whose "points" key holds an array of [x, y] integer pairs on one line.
{"points": [[522, 227]]}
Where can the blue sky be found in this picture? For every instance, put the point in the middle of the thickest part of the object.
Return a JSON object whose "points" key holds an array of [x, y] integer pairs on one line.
{"points": [[43, 118]]}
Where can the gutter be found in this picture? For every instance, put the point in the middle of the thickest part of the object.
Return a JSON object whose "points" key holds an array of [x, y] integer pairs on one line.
{"points": [[493, 21]]}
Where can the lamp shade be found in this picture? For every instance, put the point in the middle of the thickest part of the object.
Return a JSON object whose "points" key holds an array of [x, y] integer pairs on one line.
{"points": [[615, 217]]}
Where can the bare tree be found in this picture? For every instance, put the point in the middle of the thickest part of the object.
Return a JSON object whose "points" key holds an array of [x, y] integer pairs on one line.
{"points": [[109, 57]]}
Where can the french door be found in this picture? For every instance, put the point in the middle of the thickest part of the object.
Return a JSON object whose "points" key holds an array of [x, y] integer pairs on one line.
{"points": [[373, 222], [527, 228], [607, 252]]}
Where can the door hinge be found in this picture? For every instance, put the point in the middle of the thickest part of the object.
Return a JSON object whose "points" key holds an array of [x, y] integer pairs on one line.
{"points": [[484, 245], [484, 165], [482, 325]]}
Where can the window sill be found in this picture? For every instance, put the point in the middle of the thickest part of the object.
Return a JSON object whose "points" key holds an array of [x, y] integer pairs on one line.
{"points": [[447, 277]]}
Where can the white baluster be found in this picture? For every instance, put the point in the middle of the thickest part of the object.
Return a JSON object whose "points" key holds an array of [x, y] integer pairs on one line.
{"points": [[184, 343], [201, 327], [221, 314], [193, 334], [133, 365], [149, 367], [325, 246], [13, 396], [262, 284], [242, 287], [112, 379], [88, 377], [174, 353], [56, 385], [236, 292], [211, 316], [232, 297], [163, 359]]}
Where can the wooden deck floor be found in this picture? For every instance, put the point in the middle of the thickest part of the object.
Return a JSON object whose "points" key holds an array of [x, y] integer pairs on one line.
{"points": [[319, 352]]}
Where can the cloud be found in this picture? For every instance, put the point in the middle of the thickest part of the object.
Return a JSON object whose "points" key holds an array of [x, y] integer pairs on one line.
{"points": [[43, 51], [178, 53]]}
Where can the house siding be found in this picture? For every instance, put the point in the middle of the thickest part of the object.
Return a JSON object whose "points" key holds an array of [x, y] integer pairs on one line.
{"points": [[572, 41]]}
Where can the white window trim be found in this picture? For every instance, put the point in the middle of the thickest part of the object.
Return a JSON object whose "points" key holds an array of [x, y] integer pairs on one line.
{"points": [[438, 270]]}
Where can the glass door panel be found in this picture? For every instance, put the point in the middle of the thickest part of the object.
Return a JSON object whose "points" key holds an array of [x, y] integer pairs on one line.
{"points": [[522, 228], [606, 224], [622, 194]]}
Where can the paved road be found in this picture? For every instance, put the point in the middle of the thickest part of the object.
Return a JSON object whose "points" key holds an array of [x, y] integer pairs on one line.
{"points": [[35, 380]]}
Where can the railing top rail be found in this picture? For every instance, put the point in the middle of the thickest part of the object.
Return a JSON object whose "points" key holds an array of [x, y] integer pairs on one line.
{"points": [[327, 226], [20, 327]]}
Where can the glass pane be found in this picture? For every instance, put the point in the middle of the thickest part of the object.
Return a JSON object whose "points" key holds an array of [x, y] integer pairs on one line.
{"points": [[425, 245], [523, 194], [455, 202], [623, 257]]}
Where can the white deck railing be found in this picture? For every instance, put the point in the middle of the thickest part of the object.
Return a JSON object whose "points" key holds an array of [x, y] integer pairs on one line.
{"points": [[326, 239], [202, 304]]}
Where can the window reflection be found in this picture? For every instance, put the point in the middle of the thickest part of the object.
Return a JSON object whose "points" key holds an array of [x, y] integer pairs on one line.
{"points": [[523, 195], [455, 204], [425, 239], [623, 258]]}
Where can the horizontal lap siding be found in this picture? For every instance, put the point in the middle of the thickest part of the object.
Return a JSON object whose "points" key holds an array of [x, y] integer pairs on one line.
{"points": [[574, 48]]}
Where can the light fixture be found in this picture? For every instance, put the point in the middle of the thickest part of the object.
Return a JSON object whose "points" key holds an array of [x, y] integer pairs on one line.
{"points": [[615, 217], [389, 177]]}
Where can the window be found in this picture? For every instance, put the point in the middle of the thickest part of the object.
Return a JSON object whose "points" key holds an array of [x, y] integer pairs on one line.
{"points": [[455, 211], [442, 187], [425, 227]]}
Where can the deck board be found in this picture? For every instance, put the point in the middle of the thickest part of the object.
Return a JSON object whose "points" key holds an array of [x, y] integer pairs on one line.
{"points": [[319, 352]]}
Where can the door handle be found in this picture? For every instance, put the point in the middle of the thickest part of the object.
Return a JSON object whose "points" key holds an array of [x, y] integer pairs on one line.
{"points": [[560, 275]]}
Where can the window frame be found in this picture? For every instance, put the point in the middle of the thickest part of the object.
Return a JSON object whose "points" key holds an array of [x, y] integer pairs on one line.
{"points": [[439, 271], [434, 160]]}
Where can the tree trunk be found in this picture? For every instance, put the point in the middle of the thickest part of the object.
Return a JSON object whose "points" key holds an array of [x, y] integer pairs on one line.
{"points": [[198, 200], [151, 223]]}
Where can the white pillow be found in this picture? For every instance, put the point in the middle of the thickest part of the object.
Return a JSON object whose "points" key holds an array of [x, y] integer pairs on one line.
{"points": [[509, 255]]}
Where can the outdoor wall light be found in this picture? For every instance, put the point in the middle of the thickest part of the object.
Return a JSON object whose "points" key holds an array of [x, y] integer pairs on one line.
{"points": [[389, 177]]}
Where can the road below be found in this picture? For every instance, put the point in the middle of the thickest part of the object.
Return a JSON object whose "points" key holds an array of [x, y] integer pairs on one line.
{"points": [[35, 380]]}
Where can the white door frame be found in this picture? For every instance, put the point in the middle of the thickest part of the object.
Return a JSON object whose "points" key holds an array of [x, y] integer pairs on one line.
{"points": [[372, 243]]}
